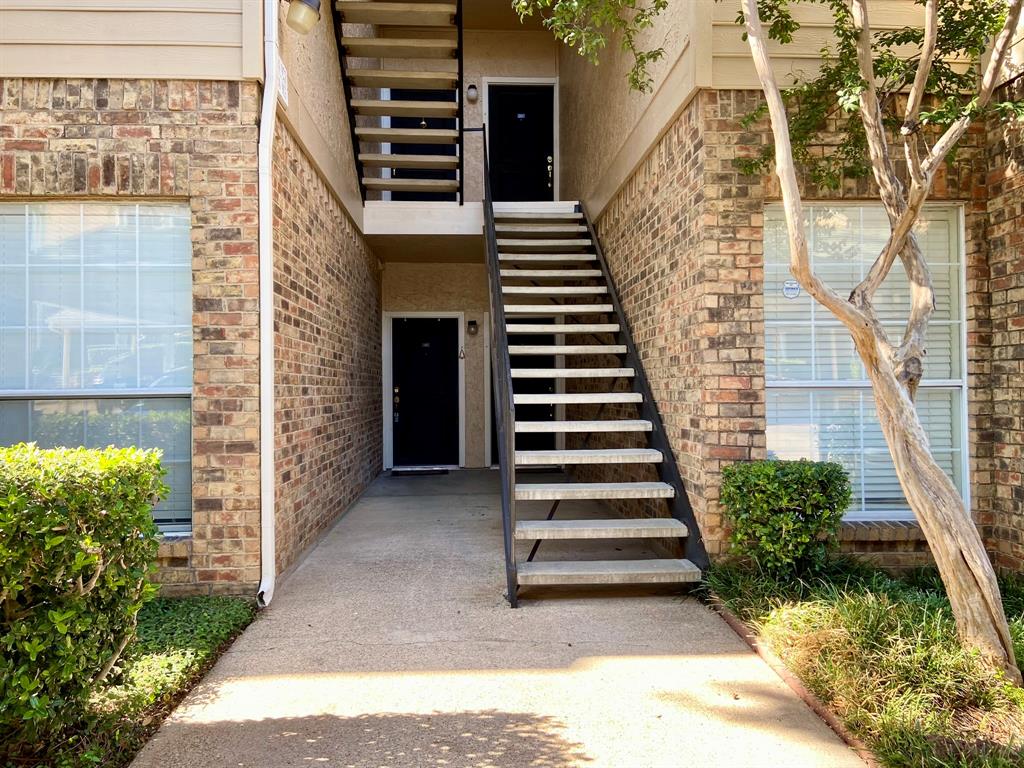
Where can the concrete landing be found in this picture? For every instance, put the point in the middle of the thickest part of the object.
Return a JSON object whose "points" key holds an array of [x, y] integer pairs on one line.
{"points": [[391, 645]]}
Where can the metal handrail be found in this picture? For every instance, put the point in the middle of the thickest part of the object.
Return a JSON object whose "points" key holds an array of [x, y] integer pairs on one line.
{"points": [[460, 101], [504, 406]]}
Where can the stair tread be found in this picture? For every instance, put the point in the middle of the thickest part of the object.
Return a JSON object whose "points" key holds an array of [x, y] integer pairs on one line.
{"points": [[409, 135], [567, 349], [621, 528], [596, 425], [442, 162], [590, 456], [402, 14], [552, 273], [572, 373], [540, 229], [395, 78], [576, 398], [402, 108], [561, 328], [551, 491], [554, 290], [557, 309], [544, 216], [546, 257], [403, 48], [542, 244], [412, 185], [661, 570]]}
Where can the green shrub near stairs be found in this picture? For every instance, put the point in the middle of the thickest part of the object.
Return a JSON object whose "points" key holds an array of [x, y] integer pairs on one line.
{"points": [[77, 545], [785, 515]]}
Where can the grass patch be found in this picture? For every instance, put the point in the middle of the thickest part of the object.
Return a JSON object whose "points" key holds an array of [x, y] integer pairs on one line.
{"points": [[882, 652], [178, 640]]}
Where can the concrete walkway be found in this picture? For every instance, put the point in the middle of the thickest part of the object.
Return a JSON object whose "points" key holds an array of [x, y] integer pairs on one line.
{"points": [[391, 645]]}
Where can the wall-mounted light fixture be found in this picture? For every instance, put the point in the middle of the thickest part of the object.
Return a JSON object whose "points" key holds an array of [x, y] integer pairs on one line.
{"points": [[303, 15], [472, 94], [472, 328]]}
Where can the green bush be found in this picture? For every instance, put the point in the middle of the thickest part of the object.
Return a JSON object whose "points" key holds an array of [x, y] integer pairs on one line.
{"points": [[77, 543], [785, 515]]}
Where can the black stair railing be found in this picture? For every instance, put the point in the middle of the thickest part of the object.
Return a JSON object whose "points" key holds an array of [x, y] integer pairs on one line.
{"points": [[461, 98], [504, 405], [668, 470]]}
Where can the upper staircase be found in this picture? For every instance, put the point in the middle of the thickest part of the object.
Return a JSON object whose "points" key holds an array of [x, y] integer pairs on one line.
{"points": [[550, 283], [402, 70]]}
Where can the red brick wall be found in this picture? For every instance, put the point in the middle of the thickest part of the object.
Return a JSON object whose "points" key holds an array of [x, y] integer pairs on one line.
{"points": [[327, 345], [1005, 334], [186, 141], [683, 238]]}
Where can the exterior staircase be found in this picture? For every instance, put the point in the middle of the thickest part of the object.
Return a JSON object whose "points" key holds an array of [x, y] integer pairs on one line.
{"points": [[548, 276], [403, 86]]}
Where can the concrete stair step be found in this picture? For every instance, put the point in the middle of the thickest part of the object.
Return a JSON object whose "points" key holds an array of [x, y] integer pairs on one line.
{"points": [[589, 456], [396, 78], [538, 216], [540, 230], [408, 135], [401, 48], [554, 290], [567, 349], [557, 309], [547, 258], [400, 14], [561, 327], [577, 491], [388, 108], [595, 425], [412, 185], [647, 528], [660, 571], [572, 373], [439, 162], [507, 244], [552, 274], [577, 398]]}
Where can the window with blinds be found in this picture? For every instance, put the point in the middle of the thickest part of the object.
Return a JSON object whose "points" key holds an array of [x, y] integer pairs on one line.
{"points": [[819, 401], [96, 332]]}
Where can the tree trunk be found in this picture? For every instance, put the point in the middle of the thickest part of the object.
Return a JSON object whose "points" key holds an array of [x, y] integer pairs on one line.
{"points": [[952, 536]]}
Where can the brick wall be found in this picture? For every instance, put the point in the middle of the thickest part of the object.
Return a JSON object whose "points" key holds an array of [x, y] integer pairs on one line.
{"points": [[1005, 334], [683, 238], [186, 141], [327, 341]]}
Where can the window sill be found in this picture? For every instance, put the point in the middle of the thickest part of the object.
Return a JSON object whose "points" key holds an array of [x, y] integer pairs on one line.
{"points": [[880, 530]]}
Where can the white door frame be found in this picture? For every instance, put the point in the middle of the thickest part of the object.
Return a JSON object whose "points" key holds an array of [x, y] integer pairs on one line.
{"points": [[499, 80], [387, 379]]}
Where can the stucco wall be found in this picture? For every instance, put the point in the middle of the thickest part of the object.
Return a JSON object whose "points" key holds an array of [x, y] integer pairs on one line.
{"points": [[205, 39], [435, 287]]}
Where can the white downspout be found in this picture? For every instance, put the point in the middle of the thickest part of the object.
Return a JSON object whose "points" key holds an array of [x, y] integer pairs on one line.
{"points": [[268, 118]]}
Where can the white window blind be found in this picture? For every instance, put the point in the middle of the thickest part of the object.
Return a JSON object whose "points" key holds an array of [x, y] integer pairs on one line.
{"points": [[96, 332], [819, 402]]}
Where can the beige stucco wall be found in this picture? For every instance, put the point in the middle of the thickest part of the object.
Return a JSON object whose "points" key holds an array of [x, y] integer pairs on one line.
{"points": [[316, 110], [607, 130], [499, 54], [199, 39], [409, 287]]}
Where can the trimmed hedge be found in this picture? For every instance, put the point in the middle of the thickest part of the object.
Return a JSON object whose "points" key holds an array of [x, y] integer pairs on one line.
{"points": [[77, 544], [785, 515]]}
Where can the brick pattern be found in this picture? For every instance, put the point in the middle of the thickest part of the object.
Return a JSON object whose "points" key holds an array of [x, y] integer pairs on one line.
{"points": [[1004, 333], [327, 341], [683, 238], [124, 139]]}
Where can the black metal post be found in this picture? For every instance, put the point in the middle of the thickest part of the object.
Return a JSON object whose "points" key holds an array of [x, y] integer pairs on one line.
{"points": [[460, 102]]}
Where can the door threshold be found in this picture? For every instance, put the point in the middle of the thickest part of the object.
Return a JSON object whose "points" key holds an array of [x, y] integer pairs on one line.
{"points": [[409, 471]]}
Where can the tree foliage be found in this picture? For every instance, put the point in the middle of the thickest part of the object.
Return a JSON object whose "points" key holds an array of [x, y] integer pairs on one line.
{"points": [[830, 100], [587, 26]]}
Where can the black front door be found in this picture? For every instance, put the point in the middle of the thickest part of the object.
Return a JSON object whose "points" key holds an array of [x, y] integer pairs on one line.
{"points": [[521, 141], [425, 391]]}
